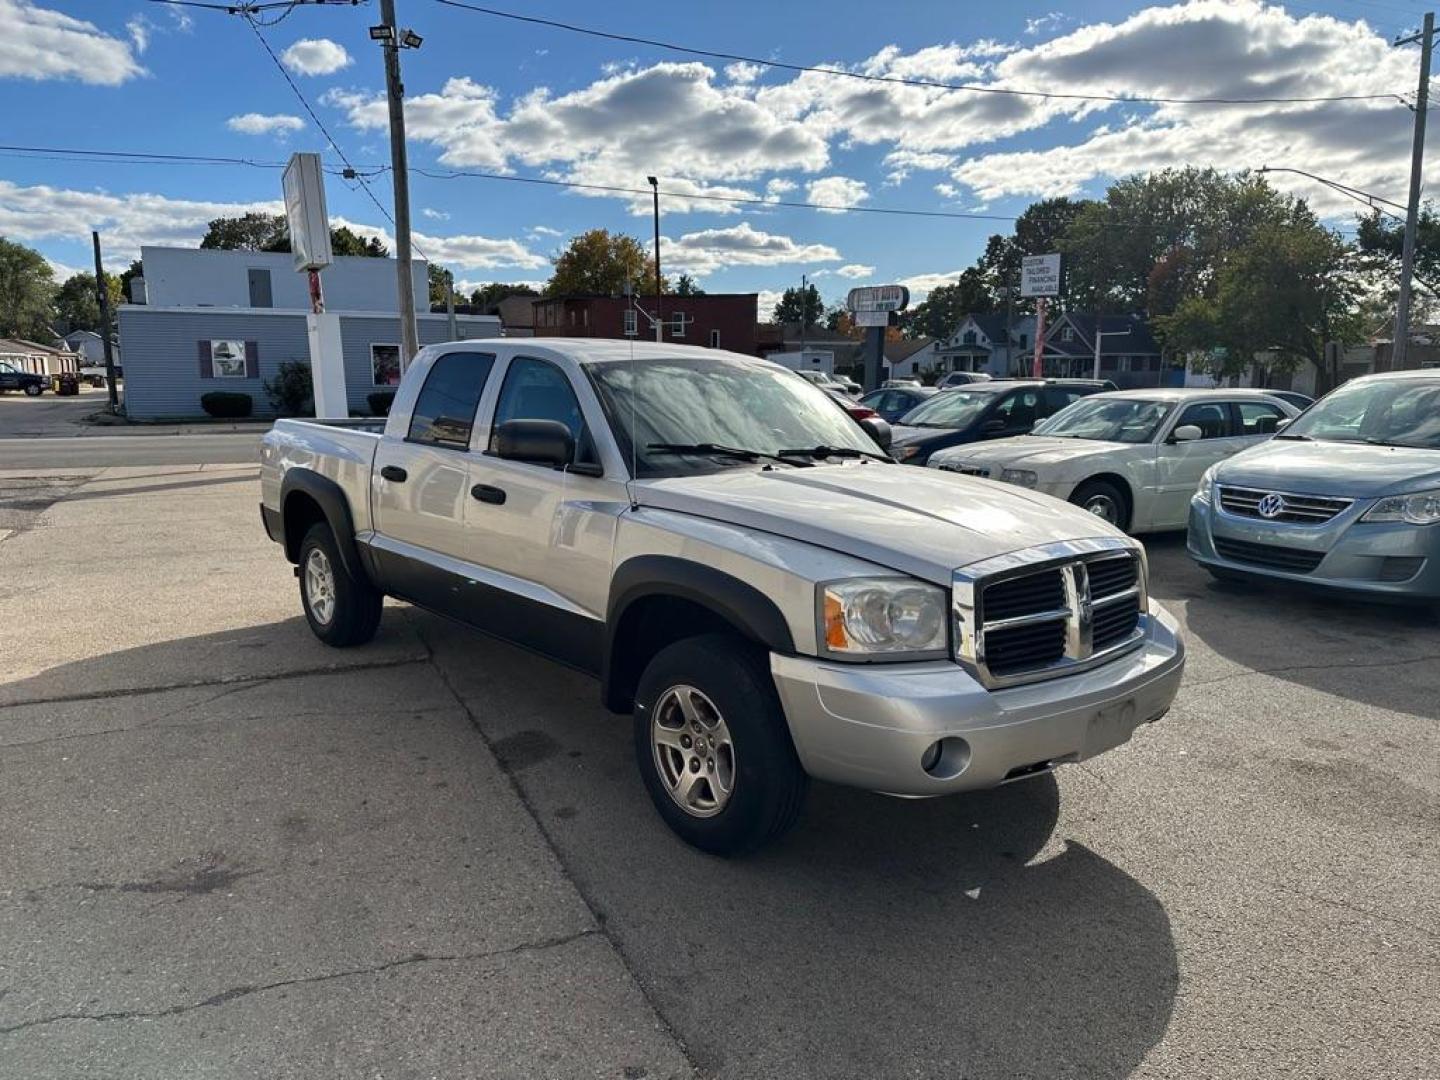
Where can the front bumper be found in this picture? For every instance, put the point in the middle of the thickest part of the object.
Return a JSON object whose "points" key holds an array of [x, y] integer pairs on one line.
{"points": [[1355, 556], [869, 726]]}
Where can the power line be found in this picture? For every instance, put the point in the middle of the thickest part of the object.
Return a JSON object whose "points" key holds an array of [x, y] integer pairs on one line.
{"points": [[631, 39]]}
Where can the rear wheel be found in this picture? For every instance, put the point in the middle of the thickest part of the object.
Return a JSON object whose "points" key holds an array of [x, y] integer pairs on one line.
{"points": [[34, 389], [341, 610], [1105, 501], [713, 746]]}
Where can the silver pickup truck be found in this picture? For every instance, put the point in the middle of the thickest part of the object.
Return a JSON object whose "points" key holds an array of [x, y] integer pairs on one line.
{"points": [[739, 564]]}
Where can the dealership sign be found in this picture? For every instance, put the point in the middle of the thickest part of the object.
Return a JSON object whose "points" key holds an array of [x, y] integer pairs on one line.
{"points": [[305, 213], [1040, 275], [877, 298]]}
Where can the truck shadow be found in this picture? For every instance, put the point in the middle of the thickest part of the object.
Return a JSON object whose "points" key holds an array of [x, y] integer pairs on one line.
{"points": [[883, 937], [1371, 653]]}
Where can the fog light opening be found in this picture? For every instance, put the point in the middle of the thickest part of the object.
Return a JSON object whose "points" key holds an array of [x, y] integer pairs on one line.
{"points": [[945, 759]]}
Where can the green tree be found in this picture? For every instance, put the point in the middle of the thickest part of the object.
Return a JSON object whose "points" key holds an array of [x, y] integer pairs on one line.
{"points": [[77, 306], [686, 286], [796, 307], [603, 263], [135, 270], [438, 286], [252, 231], [1380, 240], [27, 291], [486, 299], [344, 241]]}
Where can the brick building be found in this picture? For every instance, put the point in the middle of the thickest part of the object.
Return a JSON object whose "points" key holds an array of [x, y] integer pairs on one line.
{"points": [[714, 320]]}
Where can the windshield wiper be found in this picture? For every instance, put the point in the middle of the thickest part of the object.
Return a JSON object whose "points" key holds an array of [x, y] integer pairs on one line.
{"points": [[835, 451], [1296, 436], [717, 450]]}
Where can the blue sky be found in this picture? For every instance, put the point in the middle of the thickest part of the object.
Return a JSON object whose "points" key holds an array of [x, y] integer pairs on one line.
{"points": [[499, 96]]}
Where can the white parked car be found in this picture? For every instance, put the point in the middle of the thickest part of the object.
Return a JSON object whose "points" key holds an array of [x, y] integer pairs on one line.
{"points": [[1131, 457]]}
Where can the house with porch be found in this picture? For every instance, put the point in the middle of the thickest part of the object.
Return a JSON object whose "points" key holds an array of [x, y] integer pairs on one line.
{"points": [[1129, 354], [990, 343]]}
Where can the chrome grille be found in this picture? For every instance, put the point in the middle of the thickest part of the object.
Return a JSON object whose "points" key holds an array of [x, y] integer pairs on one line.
{"points": [[1050, 617], [1280, 505], [967, 470]]}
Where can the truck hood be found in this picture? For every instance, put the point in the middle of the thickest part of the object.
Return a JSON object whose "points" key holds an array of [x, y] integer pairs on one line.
{"points": [[919, 521], [900, 434], [1031, 451], [1349, 470]]}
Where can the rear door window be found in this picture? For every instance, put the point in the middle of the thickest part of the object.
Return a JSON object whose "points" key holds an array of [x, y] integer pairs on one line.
{"points": [[1211, 417], [445, 410], [1257, 417], [1019, 410]]}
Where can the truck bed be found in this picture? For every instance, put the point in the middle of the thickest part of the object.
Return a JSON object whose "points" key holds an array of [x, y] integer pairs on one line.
{"points": [[342, 450]]}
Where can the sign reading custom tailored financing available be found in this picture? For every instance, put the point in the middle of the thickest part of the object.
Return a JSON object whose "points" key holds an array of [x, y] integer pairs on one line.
{"points": [[1040, 275]]}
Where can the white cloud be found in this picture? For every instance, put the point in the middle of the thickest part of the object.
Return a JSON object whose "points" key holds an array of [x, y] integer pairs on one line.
{"points": [[63, 272], [545, 230], [457, 252], [765, 303], [855, 271], [42, 212], [315, 56], [181, 18], [708, 250], [139, 28], [1050, 21], [836, 191], [744, 73], [778, 187], [261, 124], [38, 43], [435, 215], [921, 284]]}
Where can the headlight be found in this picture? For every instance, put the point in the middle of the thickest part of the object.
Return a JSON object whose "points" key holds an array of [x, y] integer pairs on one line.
{"points": [[1206, 490], [1421, 508], [883, 616], [905, 453], [1023, 477]]}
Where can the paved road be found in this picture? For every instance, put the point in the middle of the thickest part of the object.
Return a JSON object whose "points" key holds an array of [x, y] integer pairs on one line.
{"points": [[48, 414], [232, 852], [98, 451]]}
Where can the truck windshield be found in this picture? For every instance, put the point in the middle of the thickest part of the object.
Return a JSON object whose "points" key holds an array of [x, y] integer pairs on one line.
{"points": [[724, 401], [1125, 420], [1386, 412]]}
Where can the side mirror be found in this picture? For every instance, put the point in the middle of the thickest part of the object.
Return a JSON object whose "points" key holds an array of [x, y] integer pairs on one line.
{"points": [[991, 427], [878, 430], [1283, 423], [540, 442], [1186, 433]]}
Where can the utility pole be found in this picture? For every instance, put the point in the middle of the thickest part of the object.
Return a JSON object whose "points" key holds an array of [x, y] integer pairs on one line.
{"points": [[804, 314], [104, 298], [659, 313], [450, 305], [1412, 211], [393, 39], [1100, 335]]}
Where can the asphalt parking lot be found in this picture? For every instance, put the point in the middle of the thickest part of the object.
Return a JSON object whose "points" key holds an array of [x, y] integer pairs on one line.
{"points": [[234, 852]]}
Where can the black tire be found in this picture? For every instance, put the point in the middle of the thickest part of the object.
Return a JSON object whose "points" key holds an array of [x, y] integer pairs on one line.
{"points": [[769, 784], [33, 389], [354, 610], [1096, 494]]}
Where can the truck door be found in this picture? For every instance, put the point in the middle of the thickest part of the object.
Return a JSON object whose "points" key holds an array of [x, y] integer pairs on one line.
{"points": [[419, 491]]}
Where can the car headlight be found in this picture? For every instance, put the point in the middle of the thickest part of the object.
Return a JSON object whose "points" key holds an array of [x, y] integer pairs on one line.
{"points": [[1206, 490], [862, 617], [1023, 477], [1421, 508]]}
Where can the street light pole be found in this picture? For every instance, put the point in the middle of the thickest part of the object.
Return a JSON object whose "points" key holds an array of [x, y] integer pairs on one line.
{"points": [[1099, 334], [659, 313], [1401, 345], [400, 176]]}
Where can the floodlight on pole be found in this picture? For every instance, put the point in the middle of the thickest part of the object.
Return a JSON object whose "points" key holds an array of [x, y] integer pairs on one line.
{"points": [[382, 33], [409, 39]]}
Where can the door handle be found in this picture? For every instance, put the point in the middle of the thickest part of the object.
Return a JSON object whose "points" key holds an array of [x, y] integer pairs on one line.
{"points": [[486, 493], [394, 472]]}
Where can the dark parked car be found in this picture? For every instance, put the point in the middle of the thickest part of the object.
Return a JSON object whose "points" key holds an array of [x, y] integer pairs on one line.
{"points": [[875, 425], [1299, 400], [990, 410], [12, 378], [896, 401]]}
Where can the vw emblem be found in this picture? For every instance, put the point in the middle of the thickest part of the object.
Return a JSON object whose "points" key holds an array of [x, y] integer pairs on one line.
{"points": [[1271, 506]]}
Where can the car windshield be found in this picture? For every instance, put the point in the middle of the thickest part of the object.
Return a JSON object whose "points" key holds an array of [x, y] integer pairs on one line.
{"points": [[1127, 420], [724, 401], [1387, 412], [950, 409]]}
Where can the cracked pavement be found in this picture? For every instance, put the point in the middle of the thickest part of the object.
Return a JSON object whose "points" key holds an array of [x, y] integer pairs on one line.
{"points": [[232, 852]]}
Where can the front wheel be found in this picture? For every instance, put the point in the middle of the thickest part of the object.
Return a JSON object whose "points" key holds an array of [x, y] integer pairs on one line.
{"points": [[34, 389], [713, 746], [1105, 501], [340, 609]]}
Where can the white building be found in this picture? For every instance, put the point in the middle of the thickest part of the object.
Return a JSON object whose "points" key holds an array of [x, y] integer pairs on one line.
{"points": [[201, 277], [91, 347]]}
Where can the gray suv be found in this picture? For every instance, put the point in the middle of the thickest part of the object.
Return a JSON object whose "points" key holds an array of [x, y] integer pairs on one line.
{"points": [[1346, 497]]}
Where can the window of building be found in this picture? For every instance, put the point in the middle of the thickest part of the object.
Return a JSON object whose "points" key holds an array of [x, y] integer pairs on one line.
{"points": [[714, 339], [572, 316], [1022, 341], [228, 360], [969, 338], [259, 281], [677, 324], [385, 364], [632, 327], [585, 317], [1067, 334], [445, 410]]}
